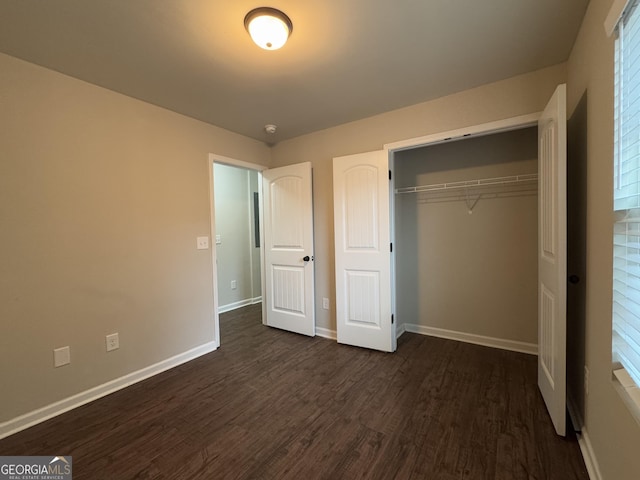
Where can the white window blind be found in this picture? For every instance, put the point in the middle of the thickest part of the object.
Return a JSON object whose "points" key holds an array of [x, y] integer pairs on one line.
{"points": [[626, 234]]}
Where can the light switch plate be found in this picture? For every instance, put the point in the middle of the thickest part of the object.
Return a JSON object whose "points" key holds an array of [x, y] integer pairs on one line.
{"points": [[202, 243], [61, 356], [325, 303], [218, 240]]}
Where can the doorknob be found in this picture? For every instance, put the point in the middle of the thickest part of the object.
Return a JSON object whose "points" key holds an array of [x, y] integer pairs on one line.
{"points": [[306, 258]]}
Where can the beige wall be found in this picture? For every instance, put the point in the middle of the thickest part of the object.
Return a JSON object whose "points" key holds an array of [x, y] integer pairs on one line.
{"points": [[102, 196], [471, 273], [613, 432], [505, 99], [101, 199]]}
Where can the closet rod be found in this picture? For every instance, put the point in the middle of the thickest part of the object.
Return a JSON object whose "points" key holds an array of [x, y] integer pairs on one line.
{"points": [[482, 182]]}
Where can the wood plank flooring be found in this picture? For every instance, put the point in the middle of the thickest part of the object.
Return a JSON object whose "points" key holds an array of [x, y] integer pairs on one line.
{"points": [[274, 405]]}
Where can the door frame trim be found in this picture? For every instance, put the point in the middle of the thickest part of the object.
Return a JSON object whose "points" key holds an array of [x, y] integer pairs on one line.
{"points": [[504, 125], [212, 159]]}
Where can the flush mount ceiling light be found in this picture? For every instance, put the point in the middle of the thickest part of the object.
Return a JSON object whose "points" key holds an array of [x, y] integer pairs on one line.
{"points": [[269, 28]]}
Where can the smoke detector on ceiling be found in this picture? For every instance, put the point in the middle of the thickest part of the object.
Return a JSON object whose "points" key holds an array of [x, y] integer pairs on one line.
{"points": [[270, 129]]}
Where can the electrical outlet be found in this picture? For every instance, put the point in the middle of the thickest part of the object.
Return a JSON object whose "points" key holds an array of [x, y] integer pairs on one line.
{"points": [[586, 380], [325, 303], [113, 342], [234, 284], [61, 356], [218, 240], [202, 243]]}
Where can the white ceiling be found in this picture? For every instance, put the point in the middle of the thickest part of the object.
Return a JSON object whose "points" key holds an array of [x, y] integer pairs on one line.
{"points": [[346, 59]]}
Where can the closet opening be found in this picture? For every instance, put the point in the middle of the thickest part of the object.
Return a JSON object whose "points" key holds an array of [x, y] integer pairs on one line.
{"points": [[465, 228]]}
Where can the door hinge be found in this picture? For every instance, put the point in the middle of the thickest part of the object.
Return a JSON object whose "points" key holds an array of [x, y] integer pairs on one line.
{"points": [[391, 247], [392, 319], [389, 174]]}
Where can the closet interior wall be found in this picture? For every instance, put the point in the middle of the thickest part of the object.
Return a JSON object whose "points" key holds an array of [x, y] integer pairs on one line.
{"points": [[473, 273]]}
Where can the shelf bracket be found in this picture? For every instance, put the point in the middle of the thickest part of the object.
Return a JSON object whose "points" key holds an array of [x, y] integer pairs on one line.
{"points": [[471, 201]]}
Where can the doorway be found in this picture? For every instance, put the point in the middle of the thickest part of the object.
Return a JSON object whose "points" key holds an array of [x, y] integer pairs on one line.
{"points": [[466, 239], [278, 229], [236, 227], [237, 236]]}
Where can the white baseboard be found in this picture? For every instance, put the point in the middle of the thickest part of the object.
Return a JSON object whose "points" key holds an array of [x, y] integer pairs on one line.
{"points": [[326, 333], [515, 346], [588, 455], [400, 329], [45, 413], [583, 439], [239, 304]]}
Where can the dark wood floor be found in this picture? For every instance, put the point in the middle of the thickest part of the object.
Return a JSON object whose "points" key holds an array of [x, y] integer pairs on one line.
{"points": [[275, 405]]}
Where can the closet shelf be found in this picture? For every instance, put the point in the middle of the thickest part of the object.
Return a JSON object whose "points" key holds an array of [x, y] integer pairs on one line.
{"points": [[475, 184]]}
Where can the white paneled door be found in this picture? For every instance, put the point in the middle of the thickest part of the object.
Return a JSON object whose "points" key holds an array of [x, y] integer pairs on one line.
{"points": [[552, 257], [362, 251], [288, 250]]}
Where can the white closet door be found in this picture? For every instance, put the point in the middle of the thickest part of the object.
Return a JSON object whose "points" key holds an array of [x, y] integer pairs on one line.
{"points": [[362, 251], [288, 236], [552, 257]]}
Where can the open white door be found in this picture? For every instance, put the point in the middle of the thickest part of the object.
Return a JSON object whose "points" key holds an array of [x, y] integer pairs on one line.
{"points": [[363, 260], [288, 249], [552, 257]]}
